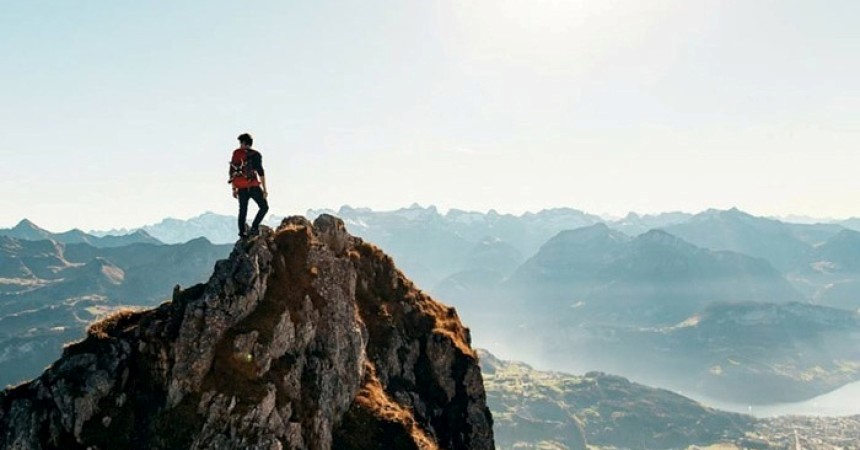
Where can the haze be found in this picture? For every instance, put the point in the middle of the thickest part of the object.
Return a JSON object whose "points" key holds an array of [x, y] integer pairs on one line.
{"points": [[122, 113]]}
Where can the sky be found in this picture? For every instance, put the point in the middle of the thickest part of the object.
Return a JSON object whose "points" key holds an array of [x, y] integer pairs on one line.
{"points": [[121, 113]]}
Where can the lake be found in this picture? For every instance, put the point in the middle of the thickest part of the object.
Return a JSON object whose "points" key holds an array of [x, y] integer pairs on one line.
{"points": [[844, 401]]}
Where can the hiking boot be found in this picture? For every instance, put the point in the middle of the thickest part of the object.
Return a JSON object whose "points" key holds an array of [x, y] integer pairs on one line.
{"points": [[243, 232]]}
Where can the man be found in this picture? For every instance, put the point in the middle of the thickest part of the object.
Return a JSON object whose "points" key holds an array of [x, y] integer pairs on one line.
{"points": [[246, 176]]}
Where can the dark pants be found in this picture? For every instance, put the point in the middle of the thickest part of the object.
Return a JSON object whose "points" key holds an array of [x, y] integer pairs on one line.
{"points": [[251, 193]]}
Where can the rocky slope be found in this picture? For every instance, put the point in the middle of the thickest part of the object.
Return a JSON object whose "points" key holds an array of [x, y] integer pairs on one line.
{"points": [[305, 338]]}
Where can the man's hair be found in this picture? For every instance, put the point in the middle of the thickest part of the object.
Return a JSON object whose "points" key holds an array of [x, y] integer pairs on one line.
{"points": [[246, 138]]}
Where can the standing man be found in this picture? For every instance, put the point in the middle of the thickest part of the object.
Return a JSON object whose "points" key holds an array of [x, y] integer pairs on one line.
{"points": [[246, 176]]}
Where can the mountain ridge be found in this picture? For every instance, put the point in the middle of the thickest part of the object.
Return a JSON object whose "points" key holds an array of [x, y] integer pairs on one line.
{"points": [[654, 268], [27, 230]]}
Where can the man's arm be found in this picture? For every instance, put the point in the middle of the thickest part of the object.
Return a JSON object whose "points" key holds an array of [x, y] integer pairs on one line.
{"points": [[262, 174]]}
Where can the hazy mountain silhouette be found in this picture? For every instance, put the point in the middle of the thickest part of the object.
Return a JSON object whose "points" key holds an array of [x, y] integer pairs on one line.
{"points": [[488, 264], [820, 260], [843, 250], [853, 223], [832, 277], [634, 224], [786, 246], [428, 246], [27, 230], [217, 228], [646, 306], [493, 254], [571, 260], [596, 273]]}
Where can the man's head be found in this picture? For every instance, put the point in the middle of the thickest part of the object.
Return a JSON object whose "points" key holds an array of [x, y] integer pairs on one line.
{"points": [[245, 140]]}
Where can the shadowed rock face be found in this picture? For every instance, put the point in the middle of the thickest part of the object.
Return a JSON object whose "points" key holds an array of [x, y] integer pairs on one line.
{"points": [[305, 338]]}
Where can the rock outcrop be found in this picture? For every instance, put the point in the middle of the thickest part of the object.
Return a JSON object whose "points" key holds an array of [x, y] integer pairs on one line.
{"points": [[305, 338]]}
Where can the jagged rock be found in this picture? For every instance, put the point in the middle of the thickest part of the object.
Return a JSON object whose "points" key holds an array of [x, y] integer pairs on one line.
{"points": [[305, 338]]}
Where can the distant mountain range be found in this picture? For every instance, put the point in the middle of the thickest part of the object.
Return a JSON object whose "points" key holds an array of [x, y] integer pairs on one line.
{"points": [[430, 246], [217, 228], [596, 275], [654, 278], [785, 245], [832, 277], [634, 224], [661, 308], [853, 223], [427, 245], [27, 230]]}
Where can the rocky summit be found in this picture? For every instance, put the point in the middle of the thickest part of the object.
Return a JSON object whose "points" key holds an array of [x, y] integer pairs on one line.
{"points": [[305, 338]]}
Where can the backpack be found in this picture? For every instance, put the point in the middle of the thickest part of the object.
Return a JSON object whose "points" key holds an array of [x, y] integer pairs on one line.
{"points": [[241, 167]]}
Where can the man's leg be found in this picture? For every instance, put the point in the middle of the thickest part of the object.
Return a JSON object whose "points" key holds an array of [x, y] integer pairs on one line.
{"points": [[257, 194], [243, 210]]}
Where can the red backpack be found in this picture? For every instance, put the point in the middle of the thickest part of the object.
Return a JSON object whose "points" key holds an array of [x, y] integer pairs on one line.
{"points": [[241, 171]]}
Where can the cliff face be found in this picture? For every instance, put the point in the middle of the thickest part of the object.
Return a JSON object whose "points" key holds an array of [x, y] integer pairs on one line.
{"points": [[305, 338]]}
